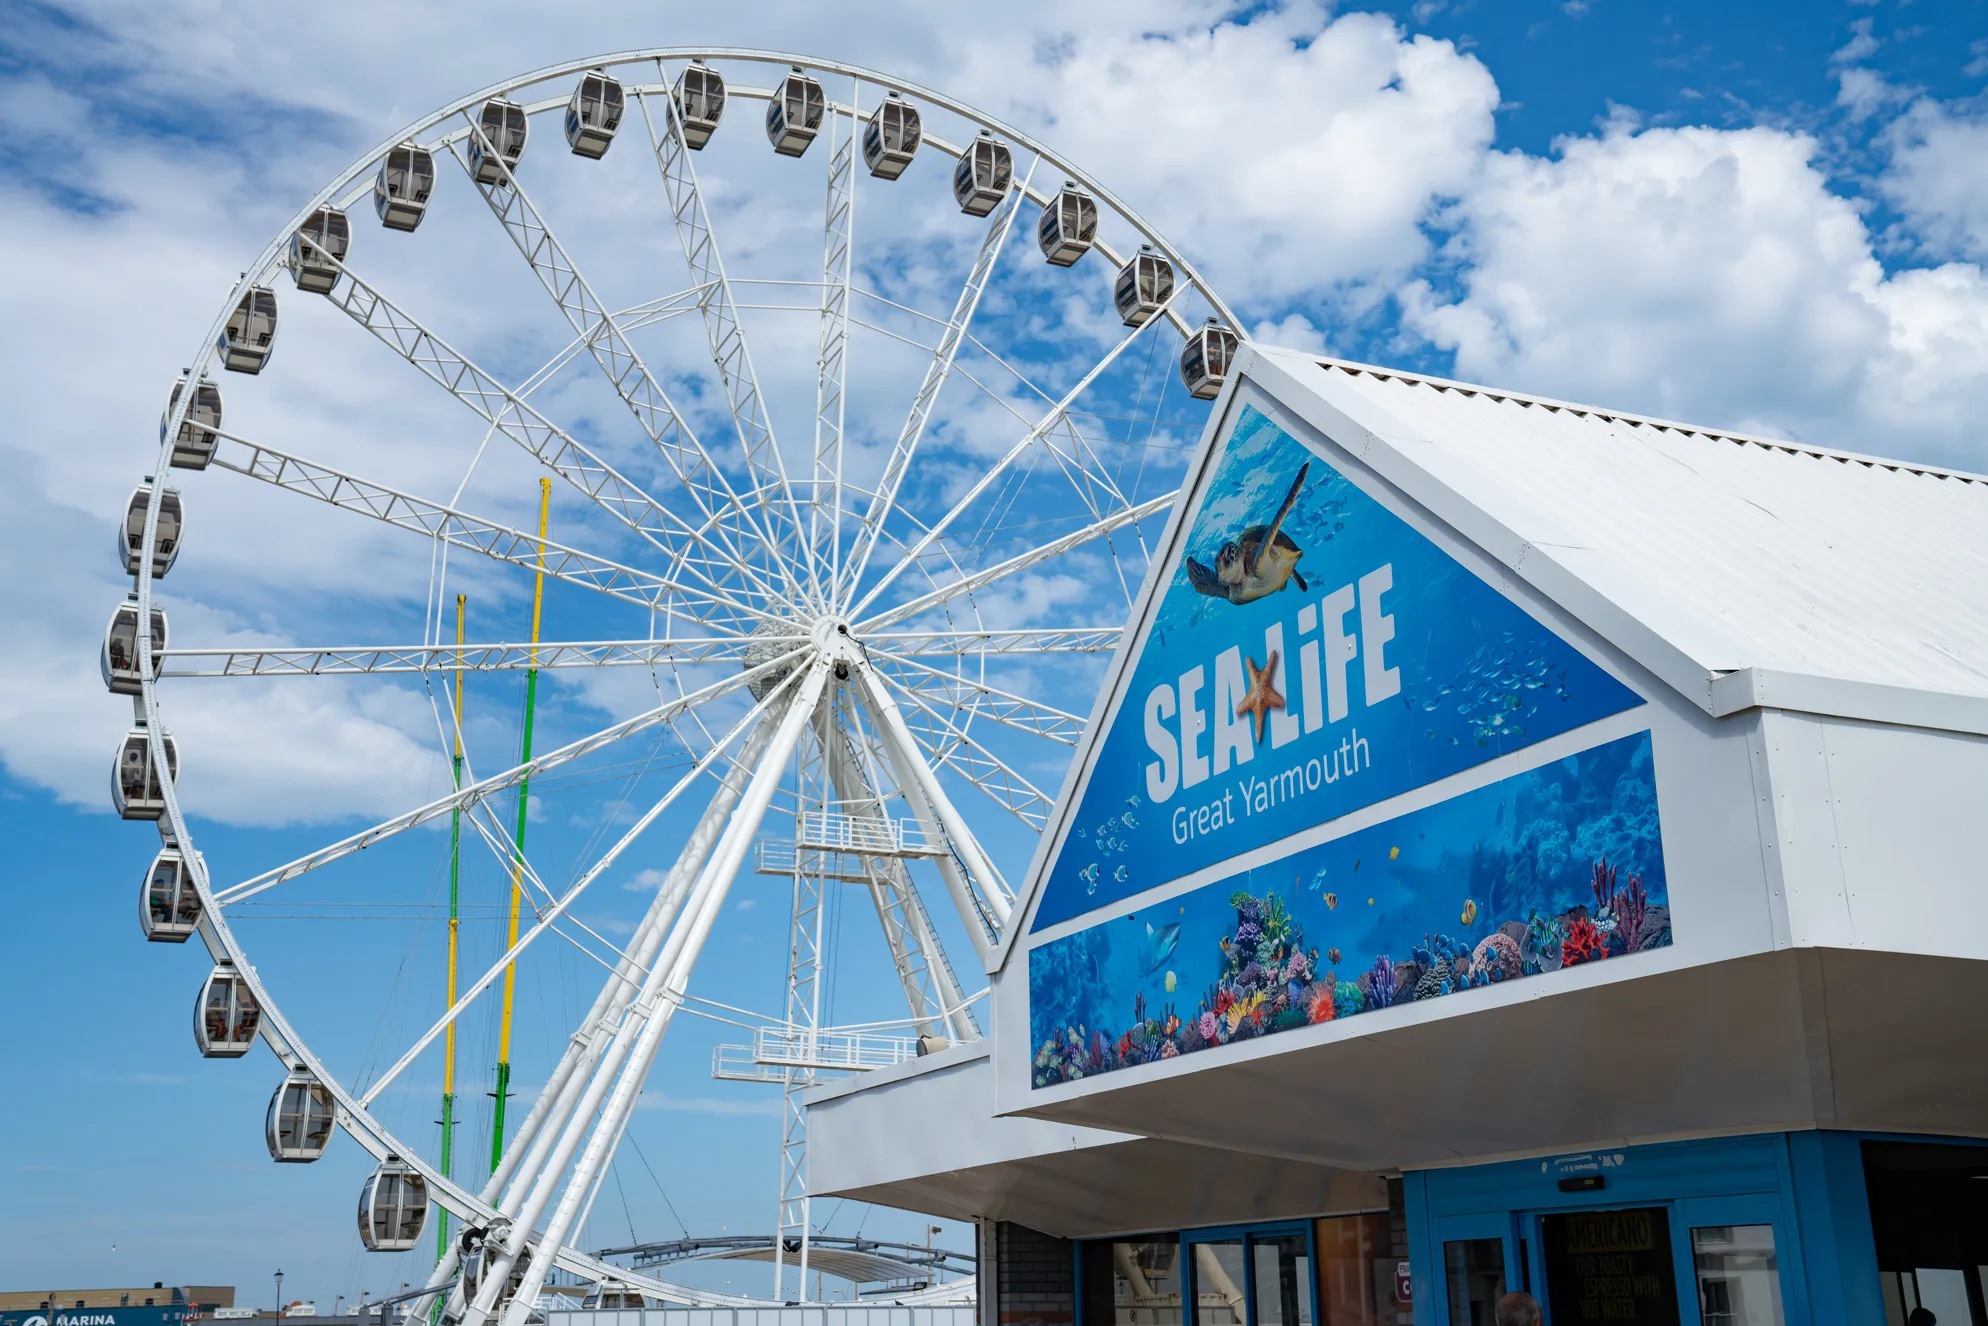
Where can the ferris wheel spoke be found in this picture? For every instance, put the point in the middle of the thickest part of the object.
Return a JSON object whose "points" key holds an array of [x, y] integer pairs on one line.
{"points": [[312, 661], [564, 902], [964, 643], [497, 783], [978, 765], [1019, 563], [831, 373], [633, 318], [506, 411], [1018, 712], [931, 986], [624, 368], [936, 373], [730, 353], [458, 529], [982, 896], [1057, 414]]}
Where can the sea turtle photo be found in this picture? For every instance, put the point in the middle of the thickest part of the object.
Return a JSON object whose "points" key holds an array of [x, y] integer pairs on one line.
{"points": [[1259, 561]]}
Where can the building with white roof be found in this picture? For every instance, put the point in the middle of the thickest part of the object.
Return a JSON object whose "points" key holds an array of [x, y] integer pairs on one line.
{"points": [[1519, 845]]}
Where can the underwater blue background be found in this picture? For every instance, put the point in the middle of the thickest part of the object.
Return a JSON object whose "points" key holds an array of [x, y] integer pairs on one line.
{"points": [[1556, 866], [1479, 677]]}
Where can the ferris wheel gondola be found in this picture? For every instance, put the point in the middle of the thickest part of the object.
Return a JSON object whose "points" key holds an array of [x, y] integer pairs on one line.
{"points": [[169, 904], [138, 780], [794, 113], [119, 657], [193, 445], [250, 332], [400, 190], [699, 97], [298, 1124], [891, 137], [318, 247], [165, 537], [983, 176], [499, 141], [593, 116], [226, 1016], [393, 1207], [841, 694]]}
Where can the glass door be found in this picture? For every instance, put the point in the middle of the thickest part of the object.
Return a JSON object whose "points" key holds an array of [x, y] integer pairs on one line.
{"points": [[1735, 1260], [1257, 1277], [1609, 1268], [1477, 1252]]}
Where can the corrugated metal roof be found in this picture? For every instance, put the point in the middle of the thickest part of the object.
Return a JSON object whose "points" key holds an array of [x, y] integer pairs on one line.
{"points": [[1740, 551]]}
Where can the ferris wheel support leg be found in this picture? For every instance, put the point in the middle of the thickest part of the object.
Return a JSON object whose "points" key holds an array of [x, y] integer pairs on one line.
{"points": [[617, 1080], [907, 930], [913, 773], [562, 1089], [555, 1102]]}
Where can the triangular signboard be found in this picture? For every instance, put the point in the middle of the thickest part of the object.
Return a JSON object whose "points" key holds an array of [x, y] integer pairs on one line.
{"points": [[1310, 653]]}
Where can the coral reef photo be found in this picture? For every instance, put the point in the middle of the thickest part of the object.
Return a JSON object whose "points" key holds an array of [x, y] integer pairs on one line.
{"points": [[1555, 867]]}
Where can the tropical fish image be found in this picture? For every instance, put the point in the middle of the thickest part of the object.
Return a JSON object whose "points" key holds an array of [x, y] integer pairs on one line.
{"points": [[1256, 563], [1332, 956], [1172, 982], [1160, 945], [1394, 853], [1469, 911], [1332, 901]]}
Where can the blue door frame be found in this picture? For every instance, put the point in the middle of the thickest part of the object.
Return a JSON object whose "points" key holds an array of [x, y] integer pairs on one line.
{"points": [[1809, 1186]]}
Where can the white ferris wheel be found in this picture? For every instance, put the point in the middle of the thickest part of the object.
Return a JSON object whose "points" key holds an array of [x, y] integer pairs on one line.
{"points": [[853, 686]]}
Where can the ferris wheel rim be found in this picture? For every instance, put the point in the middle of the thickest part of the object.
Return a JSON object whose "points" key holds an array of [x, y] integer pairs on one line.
{"points": [[292, 1050]]}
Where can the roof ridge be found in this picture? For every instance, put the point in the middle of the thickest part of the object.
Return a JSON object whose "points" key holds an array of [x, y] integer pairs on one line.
{"points": [[1630, 417]]}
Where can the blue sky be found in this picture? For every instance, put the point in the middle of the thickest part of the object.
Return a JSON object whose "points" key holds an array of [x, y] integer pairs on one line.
{"points": [[1767, 216]]}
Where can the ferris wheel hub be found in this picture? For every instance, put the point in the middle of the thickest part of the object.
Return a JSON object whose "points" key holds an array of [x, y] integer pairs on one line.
{"points": [[833, 639]]}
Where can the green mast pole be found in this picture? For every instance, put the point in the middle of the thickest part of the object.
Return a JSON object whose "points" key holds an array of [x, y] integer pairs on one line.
{"points": [[517, 865], [455, 924]]}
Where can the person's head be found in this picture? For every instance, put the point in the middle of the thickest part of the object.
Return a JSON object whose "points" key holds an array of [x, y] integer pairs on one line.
{"points": [[1921, 1317], [1522, 1309]]}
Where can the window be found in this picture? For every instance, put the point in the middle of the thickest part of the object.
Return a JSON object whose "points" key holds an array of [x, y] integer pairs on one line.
{"points": [[1739, 1282], [1357, 1272], [1282, 1267], [1218, 1283], [1474, 1273], [1132, 1282], [1929, 1213]]}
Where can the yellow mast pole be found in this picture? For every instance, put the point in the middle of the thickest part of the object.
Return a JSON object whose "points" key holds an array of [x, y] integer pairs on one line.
{"points": [[455, 923], [518, 861]]}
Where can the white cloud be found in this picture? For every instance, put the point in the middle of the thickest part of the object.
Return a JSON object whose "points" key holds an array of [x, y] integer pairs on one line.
{"points": [[1861, 46], [1711, 275], [1936, 177], [1294, 330], [1289, 154]]}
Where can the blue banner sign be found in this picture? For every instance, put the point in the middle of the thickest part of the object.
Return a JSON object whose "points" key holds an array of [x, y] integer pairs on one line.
{"points": [[1312, 653], [173, 1314], [1555, 867]]}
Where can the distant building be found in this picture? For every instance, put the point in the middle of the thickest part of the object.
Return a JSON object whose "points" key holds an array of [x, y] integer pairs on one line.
{"points": [[157, 1305]]}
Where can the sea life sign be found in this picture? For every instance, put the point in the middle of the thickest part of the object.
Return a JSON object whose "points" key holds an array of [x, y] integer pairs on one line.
{"points": [[1311, 653], [1558, 866]]}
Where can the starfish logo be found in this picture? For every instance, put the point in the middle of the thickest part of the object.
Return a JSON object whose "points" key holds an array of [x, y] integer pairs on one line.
{"points": [[1262, 695]]}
